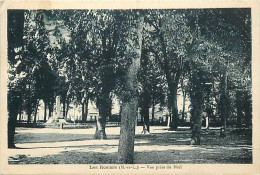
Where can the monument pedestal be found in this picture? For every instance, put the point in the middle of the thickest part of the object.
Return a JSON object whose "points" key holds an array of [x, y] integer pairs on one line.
{"points": [[57, 118]]}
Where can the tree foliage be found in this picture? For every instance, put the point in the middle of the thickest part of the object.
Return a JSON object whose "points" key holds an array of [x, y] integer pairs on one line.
{"points": [[132, 54]]}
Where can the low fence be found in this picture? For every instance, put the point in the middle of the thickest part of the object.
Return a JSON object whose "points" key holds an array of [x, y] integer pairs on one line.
{"points": [[113, 124], [68, 125]]}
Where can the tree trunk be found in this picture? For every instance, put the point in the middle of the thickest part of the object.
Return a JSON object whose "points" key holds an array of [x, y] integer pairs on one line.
{"points": [[29, 115], [197, 110], [224, 105], [83, 112], [169, 119], [20, 113], [142, 118], [248, 108], [13, 109], [153, 109], [35, 112], [191, 120], [174, 119], [145, 116], [223, 122], [50, 109], [64, 108], [239, 109], [100, 128], [146, 126], [13, 104], [11, 128], [86, 109], [104, 107], [130, 101], [173, 82], [15, 22], [197, 99], [29, 106], [183, 107], [127, 132], [120, 112], [35, 116], [144, 111], [45, 112], [67, 109]]}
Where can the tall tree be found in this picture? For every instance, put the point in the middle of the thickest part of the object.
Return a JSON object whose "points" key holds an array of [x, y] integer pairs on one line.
{"points": [[129, 96], [234, 36], [152, 85], [171, 34], [224, 45], [110, 29], [14, 95]]}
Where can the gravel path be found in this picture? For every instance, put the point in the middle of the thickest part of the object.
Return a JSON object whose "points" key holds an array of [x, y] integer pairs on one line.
{"points": [[77, 146]]}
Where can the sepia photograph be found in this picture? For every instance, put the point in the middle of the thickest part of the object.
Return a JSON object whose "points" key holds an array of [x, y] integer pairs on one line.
{"points": [[135, 89]]}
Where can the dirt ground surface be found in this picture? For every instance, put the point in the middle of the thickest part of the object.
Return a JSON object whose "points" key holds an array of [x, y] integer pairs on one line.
{"points": [[77, 146]]}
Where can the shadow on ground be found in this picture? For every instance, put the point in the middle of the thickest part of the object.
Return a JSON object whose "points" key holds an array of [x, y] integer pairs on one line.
{"points": [[156, 148], [54, 137]]}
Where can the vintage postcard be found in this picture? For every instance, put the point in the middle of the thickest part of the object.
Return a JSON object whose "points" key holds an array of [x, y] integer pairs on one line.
{"points": [[130, 87]]}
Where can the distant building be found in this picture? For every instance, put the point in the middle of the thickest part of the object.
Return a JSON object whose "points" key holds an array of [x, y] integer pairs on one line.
{"points": [[74, 112]]}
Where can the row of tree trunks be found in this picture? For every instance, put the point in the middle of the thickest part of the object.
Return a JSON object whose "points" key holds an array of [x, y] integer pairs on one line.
{"points": [[48, 105], [65, 106]]}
